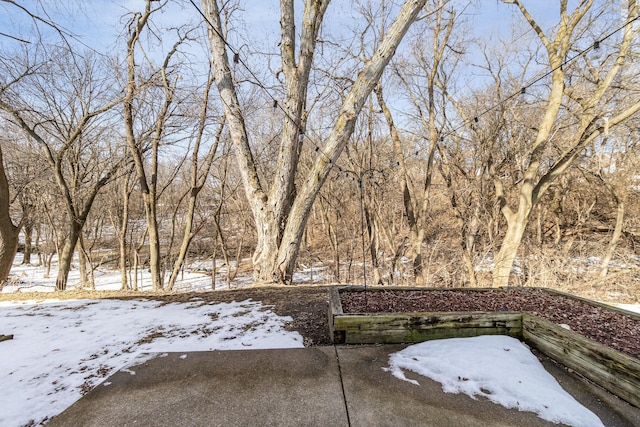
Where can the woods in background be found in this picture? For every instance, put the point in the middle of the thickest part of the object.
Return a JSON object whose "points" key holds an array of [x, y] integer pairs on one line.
{"points": [[399, 138]]}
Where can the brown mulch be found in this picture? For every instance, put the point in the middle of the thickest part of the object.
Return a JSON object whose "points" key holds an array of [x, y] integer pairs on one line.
{"points": [[308, 307], [610, 328]]}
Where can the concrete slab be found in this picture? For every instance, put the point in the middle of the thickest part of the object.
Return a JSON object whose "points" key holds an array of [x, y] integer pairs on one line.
{"points": [[316, 386], [376, 398], [292, 387]]}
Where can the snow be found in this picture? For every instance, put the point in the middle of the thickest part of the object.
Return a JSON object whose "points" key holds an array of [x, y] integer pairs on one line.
{"points": [[62, 348], [499, 368], [33, 278], [195, 278]]}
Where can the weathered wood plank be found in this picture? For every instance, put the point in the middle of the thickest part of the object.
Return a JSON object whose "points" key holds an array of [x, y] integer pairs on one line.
{"points": [[592, 303], [335, 308], [417, 327], [395, 336], [427, 320], [611, 369]]}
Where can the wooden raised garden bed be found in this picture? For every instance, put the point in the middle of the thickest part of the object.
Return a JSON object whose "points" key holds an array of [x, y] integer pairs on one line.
{"points": [[548, 320]]}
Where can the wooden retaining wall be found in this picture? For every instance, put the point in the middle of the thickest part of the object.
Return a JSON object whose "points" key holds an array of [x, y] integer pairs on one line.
{"points": [[423, 326], [611, 369]]}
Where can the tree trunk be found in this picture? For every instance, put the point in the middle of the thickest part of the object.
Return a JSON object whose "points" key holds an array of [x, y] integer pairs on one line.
{"points": [[214, 255], [28, 242], [186, 241], [617, 232], [122, 262], [136, 263], [66, 256], [82, 262], [122, 234], [8, 231], [154, 240], [469, 232], [8, 246], [147, 181], [516, 225], [281, 214], [373, 235]]}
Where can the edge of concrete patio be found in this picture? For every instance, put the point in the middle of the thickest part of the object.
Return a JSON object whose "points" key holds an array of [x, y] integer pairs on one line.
{"points": [[342, 385]]}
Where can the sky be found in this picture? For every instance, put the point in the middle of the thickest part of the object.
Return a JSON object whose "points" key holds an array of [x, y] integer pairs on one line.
{"points": [[100, 25], [98, 22]]}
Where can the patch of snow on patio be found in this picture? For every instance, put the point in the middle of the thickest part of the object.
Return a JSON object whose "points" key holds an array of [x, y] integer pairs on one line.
{"points": [[499, 368]]}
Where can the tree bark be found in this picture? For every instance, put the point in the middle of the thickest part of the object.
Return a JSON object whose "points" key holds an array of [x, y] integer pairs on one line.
{"points": [[535, 182], [28, 242], [123, 228], [8, 231], [516, 225], [281, 214], [65, 257], [617, 232]]}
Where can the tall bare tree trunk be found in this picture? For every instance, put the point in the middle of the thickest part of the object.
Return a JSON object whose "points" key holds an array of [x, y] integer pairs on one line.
{"points": [[82, 262], [281, 213], [372, 233], [8, 231], [516, 225], [151, 216], [535, 182], [617, 232], [148, 187], [122, 234], [28, 241], [65, 257]]}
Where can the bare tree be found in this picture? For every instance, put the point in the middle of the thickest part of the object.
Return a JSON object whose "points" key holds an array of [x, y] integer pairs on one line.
{"points": [[587, 107], [153, 126], [61, 116], [281, 210], [8, 230], [422, 83], [199, 172]]}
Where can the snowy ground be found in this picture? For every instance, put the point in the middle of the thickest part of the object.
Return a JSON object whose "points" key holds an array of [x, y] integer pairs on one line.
{"points": [[32, 278], [61, 349], [499, 368]]}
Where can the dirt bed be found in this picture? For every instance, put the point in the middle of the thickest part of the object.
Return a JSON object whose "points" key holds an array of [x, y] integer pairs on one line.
{"points": [[612, 329]]}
